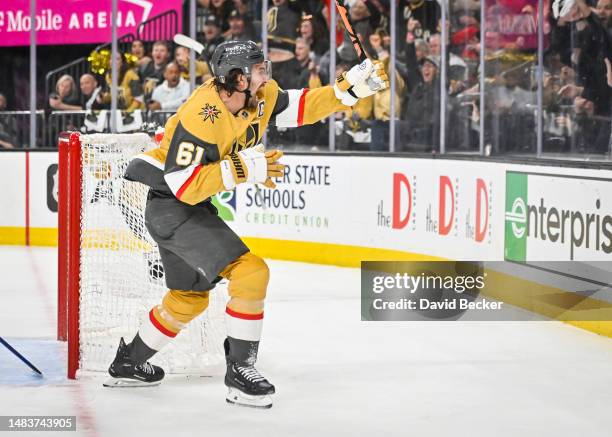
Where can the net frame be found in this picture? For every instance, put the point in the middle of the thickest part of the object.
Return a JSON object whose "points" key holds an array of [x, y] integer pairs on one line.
{"points": [[101, 232]]}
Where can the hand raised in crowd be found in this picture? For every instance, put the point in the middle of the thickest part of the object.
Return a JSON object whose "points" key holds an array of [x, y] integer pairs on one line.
{"points": [[412, 24], [475, 116], [570, 91], [608, 71], [54, 100], [583, 106], [313, 67], [528, 10], [455, 87]]}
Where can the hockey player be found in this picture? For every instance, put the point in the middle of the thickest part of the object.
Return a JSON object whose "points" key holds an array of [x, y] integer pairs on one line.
{"points": [[210, 145]]}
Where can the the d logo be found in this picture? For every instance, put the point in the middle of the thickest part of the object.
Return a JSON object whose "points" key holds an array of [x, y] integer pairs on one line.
{"points": [[446, 225], [401, 190]]}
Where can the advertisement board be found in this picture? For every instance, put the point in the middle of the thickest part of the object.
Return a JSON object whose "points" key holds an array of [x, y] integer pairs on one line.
{"points": [[13, 198], [413, 206], [307, 205], [76, 21], [557, 217], [442, 208], [352, 208]]}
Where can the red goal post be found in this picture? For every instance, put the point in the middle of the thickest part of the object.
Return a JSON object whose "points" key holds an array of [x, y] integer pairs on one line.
{"points": [[68, 245]]}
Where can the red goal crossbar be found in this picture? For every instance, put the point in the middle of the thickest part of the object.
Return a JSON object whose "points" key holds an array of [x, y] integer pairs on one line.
{"points": [[69, 245]]}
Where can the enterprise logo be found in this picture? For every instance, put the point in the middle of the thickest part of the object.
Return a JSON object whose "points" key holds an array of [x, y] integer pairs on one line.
{"points": [[518, 217]]}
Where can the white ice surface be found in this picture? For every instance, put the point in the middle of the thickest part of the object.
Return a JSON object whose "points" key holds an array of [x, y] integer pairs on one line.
{"points": [[335, 375]]}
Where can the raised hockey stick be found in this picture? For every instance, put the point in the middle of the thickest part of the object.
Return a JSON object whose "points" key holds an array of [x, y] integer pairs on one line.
{"points": [[361, 53], [21, 357], [190, 43]]}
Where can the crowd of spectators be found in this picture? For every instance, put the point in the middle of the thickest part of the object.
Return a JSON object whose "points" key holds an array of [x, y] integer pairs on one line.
{"points": [[576, 85], [159, 81]]}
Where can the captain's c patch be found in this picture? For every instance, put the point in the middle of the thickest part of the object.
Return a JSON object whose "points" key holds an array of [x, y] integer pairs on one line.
{"points": [[260, 108]]}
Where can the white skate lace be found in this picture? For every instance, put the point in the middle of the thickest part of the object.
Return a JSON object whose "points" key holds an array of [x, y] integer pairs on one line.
{"points": [[147, 368], [250, 373]]}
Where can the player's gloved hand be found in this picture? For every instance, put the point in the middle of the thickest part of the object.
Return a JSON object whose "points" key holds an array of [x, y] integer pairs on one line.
{"points": [[253, 165], [361, 81], [275, 168], [359, 73], [376, 81]]}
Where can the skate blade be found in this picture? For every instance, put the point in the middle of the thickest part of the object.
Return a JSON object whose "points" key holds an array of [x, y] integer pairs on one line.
{"points": [[127, 382], [236, 397]]}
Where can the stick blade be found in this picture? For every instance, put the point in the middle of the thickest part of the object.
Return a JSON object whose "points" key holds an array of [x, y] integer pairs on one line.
{"points": [[185, 41]]}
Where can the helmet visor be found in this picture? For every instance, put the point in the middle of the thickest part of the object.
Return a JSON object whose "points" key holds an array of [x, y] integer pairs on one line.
{"points": [[262, 69]]}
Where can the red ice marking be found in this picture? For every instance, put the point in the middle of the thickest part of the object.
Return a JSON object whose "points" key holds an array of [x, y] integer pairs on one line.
{"points": [[244, 316], [27, 198], [160, 327]]}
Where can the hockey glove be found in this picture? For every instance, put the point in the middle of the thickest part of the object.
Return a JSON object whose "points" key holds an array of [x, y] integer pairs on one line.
{"points": [[252, 165], [275, 168], [362, 80], [359, 73], [376, 81]]}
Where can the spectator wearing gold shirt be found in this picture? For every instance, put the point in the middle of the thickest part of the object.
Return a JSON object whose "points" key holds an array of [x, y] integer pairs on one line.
{"points": [[130, 95]]}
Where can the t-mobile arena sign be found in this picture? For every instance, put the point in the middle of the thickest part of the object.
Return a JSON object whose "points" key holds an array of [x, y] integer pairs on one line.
{"points": [[76, 21]]}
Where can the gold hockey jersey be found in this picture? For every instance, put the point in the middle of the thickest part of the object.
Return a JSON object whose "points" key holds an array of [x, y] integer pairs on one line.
{"points": [[203, 132]]}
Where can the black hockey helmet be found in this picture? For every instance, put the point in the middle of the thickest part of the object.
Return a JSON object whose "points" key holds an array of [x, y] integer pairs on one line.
{"points": [[232, 55]]}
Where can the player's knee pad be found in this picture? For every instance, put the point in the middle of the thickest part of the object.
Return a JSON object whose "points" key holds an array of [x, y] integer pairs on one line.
{"points": [[248, 278], [179, 307]]}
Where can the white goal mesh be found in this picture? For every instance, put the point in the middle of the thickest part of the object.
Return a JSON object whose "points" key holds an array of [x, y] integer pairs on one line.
{"points": [[121, 276]]}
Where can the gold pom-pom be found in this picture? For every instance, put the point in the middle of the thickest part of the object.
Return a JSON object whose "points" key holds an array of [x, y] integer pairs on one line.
{"points": [[130, 59], [100, 61]]}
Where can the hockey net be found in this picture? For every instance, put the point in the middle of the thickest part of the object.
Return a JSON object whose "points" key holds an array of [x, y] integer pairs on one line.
{"points": [[110, 274]]}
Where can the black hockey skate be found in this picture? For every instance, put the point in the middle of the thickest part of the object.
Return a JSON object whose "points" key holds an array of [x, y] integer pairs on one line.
{"points": [[125, 373], [246, 386]]}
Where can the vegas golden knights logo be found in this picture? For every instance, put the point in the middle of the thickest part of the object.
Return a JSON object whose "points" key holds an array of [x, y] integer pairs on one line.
{"points": [[272, 15], [210, 112], [250, 138]]}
